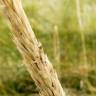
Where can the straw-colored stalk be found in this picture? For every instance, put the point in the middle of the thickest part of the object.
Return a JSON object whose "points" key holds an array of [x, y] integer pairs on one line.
{"points": [[56, 44], [56, 49], [36, 61], [83, 69]]}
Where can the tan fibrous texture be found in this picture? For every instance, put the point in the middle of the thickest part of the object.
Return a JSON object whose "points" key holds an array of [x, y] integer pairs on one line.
{"points": [[36, 61]]}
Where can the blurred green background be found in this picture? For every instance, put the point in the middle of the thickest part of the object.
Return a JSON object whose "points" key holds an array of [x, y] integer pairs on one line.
{"points": [[55, 23]]}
